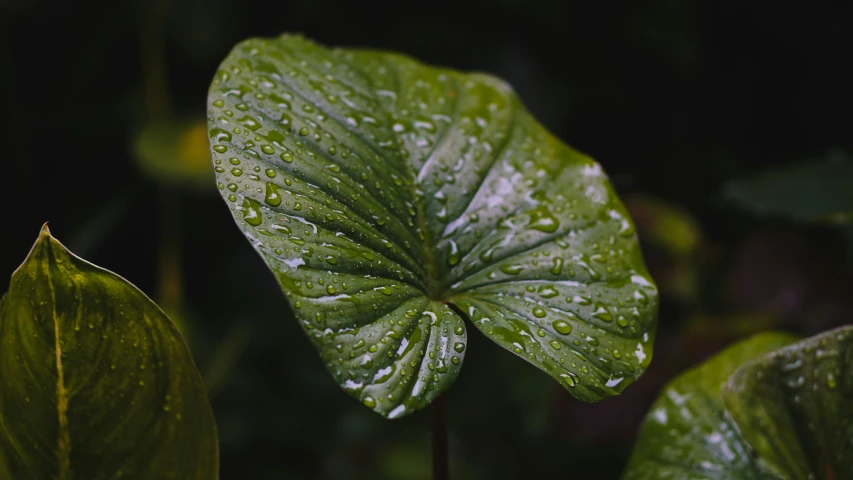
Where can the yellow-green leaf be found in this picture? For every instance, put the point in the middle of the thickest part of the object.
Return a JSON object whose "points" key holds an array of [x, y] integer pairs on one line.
{"points": [[175, 153], [95, 381]]}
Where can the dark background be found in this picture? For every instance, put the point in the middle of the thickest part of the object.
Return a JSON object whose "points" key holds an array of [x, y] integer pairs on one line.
{"points": [[673, 97]]}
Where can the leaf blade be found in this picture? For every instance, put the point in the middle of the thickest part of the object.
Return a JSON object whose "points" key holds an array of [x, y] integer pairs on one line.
{"points": [[109, 411], [382, 174], [686, 433], [771, 407], [793, 406]]}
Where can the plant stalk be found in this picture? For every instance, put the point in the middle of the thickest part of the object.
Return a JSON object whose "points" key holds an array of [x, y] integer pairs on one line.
{"points": [[440, 460]]}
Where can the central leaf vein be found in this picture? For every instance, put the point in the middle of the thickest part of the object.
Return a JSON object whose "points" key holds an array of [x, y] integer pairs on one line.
{"points": [[435, 285], [64, 439]]}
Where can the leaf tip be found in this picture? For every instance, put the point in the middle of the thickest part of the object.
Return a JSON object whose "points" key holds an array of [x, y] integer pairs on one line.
{"points": [[45, 246], [45, 231], [46, 239]]}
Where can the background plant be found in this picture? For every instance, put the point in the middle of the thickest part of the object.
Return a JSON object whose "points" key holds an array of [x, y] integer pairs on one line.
{"points": [[768, 407]]}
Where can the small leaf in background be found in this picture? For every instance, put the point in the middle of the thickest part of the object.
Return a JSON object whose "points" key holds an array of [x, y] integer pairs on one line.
{"points": [[389, 198], [764, 408], [95, 381], [175, 153], [818, 191]]}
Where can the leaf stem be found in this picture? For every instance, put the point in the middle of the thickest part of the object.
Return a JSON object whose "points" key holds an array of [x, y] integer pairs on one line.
{"points": [[440, 464]]}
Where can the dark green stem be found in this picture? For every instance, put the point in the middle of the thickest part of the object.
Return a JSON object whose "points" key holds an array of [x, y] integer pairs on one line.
{"points": [[440, 463]]}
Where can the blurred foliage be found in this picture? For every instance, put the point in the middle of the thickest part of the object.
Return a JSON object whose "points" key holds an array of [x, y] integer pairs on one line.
{"points": [[673, 239], [175, 153], [665, 225], [675, 99], [819, 191]]}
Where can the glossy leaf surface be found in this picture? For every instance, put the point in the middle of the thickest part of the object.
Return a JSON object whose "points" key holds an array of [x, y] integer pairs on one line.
{"points": [[795, 407], [95, 381], [388, 196], [765, 408]]}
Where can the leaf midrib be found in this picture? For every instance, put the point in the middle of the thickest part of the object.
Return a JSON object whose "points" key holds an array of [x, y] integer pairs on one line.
{"points": [[436, 290], [64, 437], [436, 287]]}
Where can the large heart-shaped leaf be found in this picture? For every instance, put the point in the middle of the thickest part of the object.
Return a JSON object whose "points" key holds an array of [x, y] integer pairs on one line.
{"points": [[390, 198], [762, 409], [95, 381]]}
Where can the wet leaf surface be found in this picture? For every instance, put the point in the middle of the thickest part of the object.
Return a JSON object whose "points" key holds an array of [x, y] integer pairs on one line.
{"points": [[765, 408], [95, 381], [389, 197]]}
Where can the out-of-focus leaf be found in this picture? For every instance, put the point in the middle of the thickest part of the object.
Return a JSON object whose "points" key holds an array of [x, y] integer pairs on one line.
{"points": [[766, 408], [674, 238], [664, 224], [815, 191], [389, 197], [95, 381], [175, 153], [405, 462]]}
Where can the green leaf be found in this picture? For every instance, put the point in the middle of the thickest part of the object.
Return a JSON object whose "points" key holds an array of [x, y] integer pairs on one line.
{"points": [[95, 381], [795, 407], [815, 191], [765, 408], [390, 198], [686, 433]]}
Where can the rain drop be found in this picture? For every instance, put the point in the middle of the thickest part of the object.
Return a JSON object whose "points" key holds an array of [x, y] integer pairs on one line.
{"points": [[561, 326], [512, 269]]}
